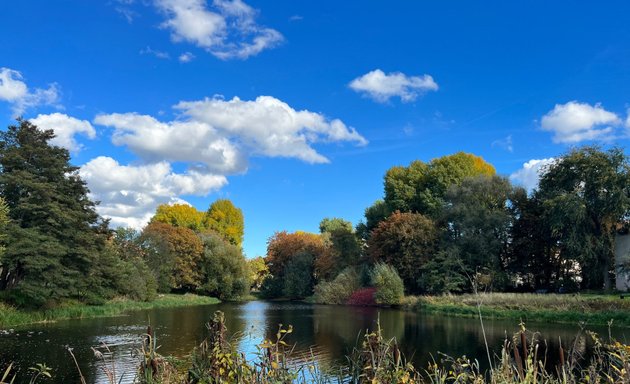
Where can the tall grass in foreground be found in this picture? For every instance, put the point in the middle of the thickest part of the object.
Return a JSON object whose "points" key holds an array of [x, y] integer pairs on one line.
{"points": [[375, 361]]}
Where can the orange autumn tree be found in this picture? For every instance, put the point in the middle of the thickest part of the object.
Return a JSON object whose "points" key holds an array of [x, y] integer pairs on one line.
{"points": [[184, 248], [291, 258]]}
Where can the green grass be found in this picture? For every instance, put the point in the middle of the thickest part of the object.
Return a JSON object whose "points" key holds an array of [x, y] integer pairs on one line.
{"points": [[11, 317], [594, 309]]}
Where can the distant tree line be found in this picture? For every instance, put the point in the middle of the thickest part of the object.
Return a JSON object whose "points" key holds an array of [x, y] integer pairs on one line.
{"points": [[54, 247], [453, 224]]}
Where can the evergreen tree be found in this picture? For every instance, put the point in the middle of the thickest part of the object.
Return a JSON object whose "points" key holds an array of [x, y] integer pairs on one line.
{"points": [[54, 237]]}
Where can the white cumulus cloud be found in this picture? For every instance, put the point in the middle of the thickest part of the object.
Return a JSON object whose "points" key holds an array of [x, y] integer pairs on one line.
{"points": [[191, 142], [381, 86], [65, 128], [14, 90], [270, 127], [227, 29], [130, 194], [211, 138], [529, 175], [574, 122]]}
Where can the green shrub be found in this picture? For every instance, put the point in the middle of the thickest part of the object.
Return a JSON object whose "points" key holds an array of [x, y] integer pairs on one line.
{"points": [[339, 290], [389, 286], [138, 282]]}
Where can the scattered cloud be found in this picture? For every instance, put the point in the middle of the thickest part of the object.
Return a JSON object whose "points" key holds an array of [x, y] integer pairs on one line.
{"points": [[186, 57], [628, 119], [381, 87], [14, 90], [65, 128], [159, 54], [129, 194], [211, 139], [574, 122], [505, 143], [529, 175], [296, 18], [227, 30], [127, 14]]}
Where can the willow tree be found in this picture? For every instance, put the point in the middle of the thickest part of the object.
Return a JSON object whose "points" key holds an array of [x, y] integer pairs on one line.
{"points": [[586, 194]]}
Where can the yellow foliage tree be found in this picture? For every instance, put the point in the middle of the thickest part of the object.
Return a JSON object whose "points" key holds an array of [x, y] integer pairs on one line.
{"points": [[180, 215], [227, 220]]}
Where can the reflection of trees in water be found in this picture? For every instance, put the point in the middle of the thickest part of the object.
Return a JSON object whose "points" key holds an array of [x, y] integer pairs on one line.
{"points": [[332, 332]]}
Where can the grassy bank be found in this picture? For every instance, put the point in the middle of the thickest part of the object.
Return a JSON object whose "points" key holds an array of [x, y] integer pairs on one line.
{"points": [[567, 308], [11, 317]]}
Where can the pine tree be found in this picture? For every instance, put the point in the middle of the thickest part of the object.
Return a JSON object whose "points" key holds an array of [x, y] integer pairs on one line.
{"points": [[54, 238]]}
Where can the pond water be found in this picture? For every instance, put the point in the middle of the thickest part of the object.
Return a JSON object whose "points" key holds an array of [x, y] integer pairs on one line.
{"points": [[327, 332]]}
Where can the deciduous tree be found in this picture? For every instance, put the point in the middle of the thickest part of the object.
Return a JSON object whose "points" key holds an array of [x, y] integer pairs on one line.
{"points": [[586, 194], [405, 241], [227, 220], [180, 215]]}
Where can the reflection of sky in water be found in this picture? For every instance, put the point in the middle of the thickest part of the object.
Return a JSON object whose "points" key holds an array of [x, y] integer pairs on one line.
{"points": [[324, 333]]}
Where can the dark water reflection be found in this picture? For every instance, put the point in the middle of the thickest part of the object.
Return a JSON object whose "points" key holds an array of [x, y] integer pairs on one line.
{"points": [[327, 332]]}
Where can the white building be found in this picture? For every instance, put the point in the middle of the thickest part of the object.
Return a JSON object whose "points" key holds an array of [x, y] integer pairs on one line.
{"points": [[622, 261]]}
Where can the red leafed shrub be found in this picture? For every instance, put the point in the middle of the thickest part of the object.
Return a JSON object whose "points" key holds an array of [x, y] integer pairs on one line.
{"points": [[363, 296]]}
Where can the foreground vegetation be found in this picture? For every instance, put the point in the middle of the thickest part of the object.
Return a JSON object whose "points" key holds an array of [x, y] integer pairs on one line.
{"points": [[375, 361], [565, 308], [12, 316]]}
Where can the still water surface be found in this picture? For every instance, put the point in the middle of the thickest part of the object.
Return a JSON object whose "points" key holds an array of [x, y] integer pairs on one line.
{"points": [[327, 332]]}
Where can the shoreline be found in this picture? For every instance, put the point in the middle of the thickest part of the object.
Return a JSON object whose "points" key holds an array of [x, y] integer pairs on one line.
{"points": [[554, 308], [12, 317]]}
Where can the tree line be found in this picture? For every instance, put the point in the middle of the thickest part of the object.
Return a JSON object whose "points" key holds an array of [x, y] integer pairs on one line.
{"points": [[55, 248], [448, 225], [454, 225]]}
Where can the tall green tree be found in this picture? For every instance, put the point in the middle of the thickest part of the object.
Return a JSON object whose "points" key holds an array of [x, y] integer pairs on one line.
{"points": [[226, 274], [374, 214], [586, 194], [55, 237], [331, 224], [478, 223], [227, 220], [4, 222], [421, 187], [533, 258]]}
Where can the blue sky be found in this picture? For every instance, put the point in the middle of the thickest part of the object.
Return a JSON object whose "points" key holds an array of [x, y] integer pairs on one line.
{"points": [[294, 110]]}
